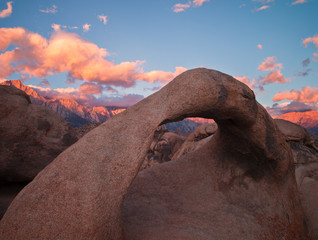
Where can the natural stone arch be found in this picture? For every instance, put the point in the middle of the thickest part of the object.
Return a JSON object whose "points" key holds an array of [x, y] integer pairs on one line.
{"points": [[79, 195]]}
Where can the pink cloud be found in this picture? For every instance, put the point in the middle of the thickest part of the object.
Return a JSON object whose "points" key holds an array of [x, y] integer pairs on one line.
{"points": [[56, 27], [198, 3], [86, 27], [6, 12], [305, 95], [90, 88], [103, 19], [179, 7], [36, 56], [245, 80], [298, 2], [161, 76], [259, 46], [313, 39], [263, 8], [269, 64], [274, 77], [52, 10], [88, 100]]}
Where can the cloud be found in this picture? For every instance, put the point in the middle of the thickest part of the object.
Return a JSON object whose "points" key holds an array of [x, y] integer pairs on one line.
{"points": [[86, 27], [306, 62], [90, 88], [179, 7], [305, 95], [88, 100], [313, 39], [298, 2], [103, 19], [286, 107], [153, 89], [249, 83], [56, 27], [270, 64], [263, 8], [52, 10], [198, 3], [161, 76], [6, 12], [36, 56], [303, 73], [45, 83], [259, 46], [274, 77]]}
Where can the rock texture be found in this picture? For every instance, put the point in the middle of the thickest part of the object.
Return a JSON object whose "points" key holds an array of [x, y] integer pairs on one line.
{"points": [[31, 136], [196, 140], [304, 146], [307, 179], [163, 147], [240, 185]]}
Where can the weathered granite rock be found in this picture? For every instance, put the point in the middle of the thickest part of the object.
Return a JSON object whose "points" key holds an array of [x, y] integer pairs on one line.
{"points": [[30, 136], [240, 186], [307, 180], [163, 147], [294, 132], [196, 140], [304, 147]]}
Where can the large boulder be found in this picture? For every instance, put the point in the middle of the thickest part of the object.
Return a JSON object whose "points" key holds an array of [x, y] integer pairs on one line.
{"points": [[240, 185], [304, 147], [31, 136]]}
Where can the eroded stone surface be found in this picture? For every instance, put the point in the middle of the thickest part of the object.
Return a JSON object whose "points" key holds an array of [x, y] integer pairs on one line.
{"points": [[30, 136], [240, 185]]}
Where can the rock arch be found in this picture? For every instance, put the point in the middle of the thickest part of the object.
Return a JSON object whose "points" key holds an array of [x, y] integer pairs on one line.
{"points": [[79, 195]]}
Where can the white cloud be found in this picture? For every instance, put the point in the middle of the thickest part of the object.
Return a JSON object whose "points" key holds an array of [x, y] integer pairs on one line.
{"points": [[52, 10], [86, 27], [103, 19]]}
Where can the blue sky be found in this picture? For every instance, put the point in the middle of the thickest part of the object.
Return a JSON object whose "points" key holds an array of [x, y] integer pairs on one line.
{"points": [[234, 36]]}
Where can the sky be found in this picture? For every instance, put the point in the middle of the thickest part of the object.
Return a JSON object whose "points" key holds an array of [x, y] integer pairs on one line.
{"points": [[117, 52]]}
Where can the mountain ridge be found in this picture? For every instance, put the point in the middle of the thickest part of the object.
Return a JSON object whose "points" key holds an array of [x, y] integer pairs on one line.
{"points": [[78, 115], [73, 112]]}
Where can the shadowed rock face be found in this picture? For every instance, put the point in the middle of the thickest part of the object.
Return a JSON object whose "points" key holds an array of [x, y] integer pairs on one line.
{"points": [[240, 185], [304, 147], [30, 136]]}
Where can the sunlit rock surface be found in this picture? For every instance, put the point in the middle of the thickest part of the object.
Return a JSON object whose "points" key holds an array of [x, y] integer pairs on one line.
{"points": [[239, 185]]}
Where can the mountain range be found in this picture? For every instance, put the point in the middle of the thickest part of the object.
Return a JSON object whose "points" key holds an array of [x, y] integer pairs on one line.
{"points": [[73, 112], [78, 115]]}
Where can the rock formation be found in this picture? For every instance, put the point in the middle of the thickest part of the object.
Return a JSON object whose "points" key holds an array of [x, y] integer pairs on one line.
{"points": [[197, 139], [307, 119], [163, 147], [239, 185], [31, 136], [304, 147]]}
